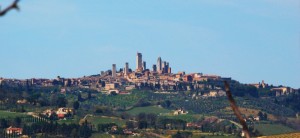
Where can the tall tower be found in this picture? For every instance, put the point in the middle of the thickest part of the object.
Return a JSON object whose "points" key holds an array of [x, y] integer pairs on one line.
{"points": [[126, 68], [139, 62], [158, 65], [167, 67], [164, 67], [169, 70], [144, 65], [154, 68], [114, 75], [1, 79]]}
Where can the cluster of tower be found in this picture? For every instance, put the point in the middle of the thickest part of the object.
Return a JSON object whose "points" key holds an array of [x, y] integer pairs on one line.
{"points": [[114, 70], [161, 66]]}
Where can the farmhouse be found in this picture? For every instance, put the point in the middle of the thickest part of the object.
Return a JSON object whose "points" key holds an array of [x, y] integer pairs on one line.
{"points": [[13, 130], [48, 112], [180, 111], [64, 111]]}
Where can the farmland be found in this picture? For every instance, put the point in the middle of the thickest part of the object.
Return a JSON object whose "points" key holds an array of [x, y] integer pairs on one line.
{"points": [[273, 129], [95, 120], [148, 109], [6, 114]]}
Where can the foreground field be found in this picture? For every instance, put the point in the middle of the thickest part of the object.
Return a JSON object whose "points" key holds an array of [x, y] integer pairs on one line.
{"points": [[273, 129], [290, 135]]}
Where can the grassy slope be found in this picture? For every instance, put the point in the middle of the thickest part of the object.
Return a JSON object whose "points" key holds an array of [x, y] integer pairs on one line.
{"points": [[75, 120], [95, 120], [249, 111], [273, 129], [167, 113], [187, 117], [290, 135], [148, 109], [5, 114], [99, 135]]}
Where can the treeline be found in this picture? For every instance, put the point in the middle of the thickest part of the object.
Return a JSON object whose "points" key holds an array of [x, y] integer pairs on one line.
{"points": [[46, 129], [291, 101], [145, 121], [237, 88]]}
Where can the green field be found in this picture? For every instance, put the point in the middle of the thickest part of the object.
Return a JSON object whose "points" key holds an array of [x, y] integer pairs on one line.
{"points": [[95, 120], [6, 114], [123, 101], [273, 129], [75, 120], [213, 136], [100, 135], [187, 117], [147, 110]]}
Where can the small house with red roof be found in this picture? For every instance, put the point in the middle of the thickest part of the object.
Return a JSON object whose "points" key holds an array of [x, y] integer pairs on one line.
{"points": [[14, 130]]}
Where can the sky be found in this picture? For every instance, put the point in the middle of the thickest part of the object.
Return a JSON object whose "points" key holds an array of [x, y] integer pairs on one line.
{"points": [[250, 41]]}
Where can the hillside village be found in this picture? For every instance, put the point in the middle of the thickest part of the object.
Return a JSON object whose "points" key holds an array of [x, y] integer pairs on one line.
{"points": [[159, 78], [128, 102]]}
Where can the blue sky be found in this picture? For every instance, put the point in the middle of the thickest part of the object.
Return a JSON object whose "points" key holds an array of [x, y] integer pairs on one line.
{"points": [[249, 41]]}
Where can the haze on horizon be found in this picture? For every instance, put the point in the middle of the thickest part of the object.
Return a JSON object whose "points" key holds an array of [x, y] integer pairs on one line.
{"points": [[249, 41]]}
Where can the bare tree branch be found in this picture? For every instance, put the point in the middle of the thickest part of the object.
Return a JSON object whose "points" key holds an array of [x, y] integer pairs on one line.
{"points": [[236, 110], [14, 5]]}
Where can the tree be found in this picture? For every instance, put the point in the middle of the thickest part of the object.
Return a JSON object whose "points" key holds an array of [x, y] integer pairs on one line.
{"points": [[182, 135], [105, 127], [125, 115], [26, 130], [34, 98], [17, 121], [229, 130], [151, 118], [129, 125], [53, 116], [74, 133], [79, 98], [141, 117], [85, 131], [265, 116], [25, 94], [113, 93], [76, 105], [61, 102], [166, 104], [14, 5], [142, 124], [53, 99], [260, 114], [3, 123], [89, 95], [42, 101]]}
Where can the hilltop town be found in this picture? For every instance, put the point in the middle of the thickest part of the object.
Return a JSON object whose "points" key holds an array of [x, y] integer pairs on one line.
{"points": [[159, 78], [143, 102]]}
